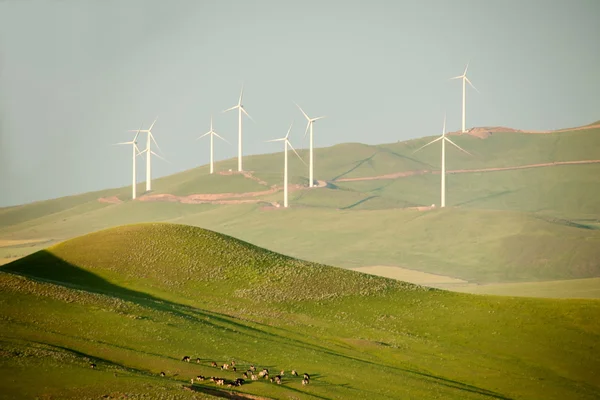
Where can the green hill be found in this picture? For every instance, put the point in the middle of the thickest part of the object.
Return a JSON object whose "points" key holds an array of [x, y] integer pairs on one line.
{"points": [[547, 199], [135, 299]]}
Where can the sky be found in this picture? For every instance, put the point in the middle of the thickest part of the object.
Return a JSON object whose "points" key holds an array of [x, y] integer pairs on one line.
{"points": [[76, 75]]}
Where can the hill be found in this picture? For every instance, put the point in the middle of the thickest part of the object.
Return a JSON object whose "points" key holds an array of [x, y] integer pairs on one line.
{"points": [[369, 186], [134, 299]]}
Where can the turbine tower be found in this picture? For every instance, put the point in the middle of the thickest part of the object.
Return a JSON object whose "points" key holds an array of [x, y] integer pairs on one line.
{"points": [[464, 87], [444, 139], [286, 142], [211, 133], [309, 126], [135, 152], [241, 109], [149, 153]]}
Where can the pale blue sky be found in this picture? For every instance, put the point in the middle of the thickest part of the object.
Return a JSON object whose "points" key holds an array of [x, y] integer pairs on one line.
{"points": [[76, 74]]}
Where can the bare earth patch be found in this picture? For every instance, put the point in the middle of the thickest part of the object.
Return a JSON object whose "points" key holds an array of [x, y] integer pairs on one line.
{"points": [[111, 200], [409, 275]]}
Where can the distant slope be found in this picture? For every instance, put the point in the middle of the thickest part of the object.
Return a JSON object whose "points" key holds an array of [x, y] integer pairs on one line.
{"points": [[135, 299]]}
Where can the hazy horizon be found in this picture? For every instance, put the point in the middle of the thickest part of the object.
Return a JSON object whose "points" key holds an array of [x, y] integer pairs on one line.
{"points": [[79, 74]]}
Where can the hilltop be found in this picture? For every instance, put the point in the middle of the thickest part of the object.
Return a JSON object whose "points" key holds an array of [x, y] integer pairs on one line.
{"points": [[545, 182], [134, 299]]}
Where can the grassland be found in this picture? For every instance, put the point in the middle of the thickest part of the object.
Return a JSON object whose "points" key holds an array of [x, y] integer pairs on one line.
{"points": [[135, 299], [504, 226]]}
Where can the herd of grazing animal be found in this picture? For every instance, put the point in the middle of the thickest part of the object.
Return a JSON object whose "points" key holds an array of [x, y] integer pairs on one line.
{"points": [[248, 374]]}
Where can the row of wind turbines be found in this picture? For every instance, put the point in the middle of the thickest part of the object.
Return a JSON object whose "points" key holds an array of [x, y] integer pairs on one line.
{"points": [[309, 128], [240, 107]]}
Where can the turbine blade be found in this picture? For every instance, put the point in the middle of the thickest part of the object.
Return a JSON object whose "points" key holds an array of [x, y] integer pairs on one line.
{"points": [[307, 126], [457, 146], [232, 108], [314, 119], [444, 130], [207, 133], [433, 141], [292, 147], [154, 140], [289, 130], [162, 158], [152, 126], [217, 135], [275, 140], [467, 79], [241, 95], [457, 77], [248, 115], [307, 117], [466, 68], [114, 144]]}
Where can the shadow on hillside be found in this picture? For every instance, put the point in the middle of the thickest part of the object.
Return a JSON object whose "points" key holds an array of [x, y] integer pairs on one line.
{"points": [[45, 267], [358, 203]]}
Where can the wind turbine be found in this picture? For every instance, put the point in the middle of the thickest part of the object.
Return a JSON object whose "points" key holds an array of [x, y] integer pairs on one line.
{"points": [[241, 109], [464, 80], [285, 168], [149, 153], [444, 139], [135, 152], [211, 133], [310, 162]]}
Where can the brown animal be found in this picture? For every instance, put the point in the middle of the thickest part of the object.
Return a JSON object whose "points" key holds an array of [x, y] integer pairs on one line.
{"points": [[225, 366], [254, 377], [213, 364], [232, 363]]}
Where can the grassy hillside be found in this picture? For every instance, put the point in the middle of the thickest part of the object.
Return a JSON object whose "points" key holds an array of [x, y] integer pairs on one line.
{"points": [[476, 245], [135, 299], [365, 218]]}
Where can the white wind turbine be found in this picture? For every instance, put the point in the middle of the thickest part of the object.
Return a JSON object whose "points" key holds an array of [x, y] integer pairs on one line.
{"points": [[464, 88], [241, 109], [135, 152], [149, 153], [211, 133], [444, 139], [285, 168], [310, 161]]}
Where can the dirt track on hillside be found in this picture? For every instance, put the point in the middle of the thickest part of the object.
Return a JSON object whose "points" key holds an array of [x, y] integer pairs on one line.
{"points": [[253, 197], [464, 171], [221, 198]]}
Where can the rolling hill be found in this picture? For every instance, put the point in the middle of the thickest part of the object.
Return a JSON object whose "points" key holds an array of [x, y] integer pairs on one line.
{"points": [[135, 299], [368, 207]]}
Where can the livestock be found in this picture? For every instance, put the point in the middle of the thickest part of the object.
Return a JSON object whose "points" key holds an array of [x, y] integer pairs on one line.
{"points": [[186, 358]]}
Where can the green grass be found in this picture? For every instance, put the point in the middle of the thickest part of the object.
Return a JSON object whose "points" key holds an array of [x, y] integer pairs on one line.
{"points": [[135, 299], [360, 223]]}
